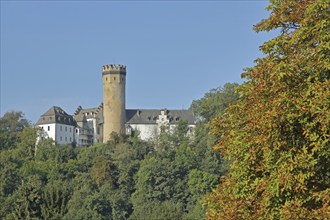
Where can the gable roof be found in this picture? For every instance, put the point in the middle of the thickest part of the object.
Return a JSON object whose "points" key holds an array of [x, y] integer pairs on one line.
{"points": [[89, 113], [133, 116], [149, 116], [56, 115]]}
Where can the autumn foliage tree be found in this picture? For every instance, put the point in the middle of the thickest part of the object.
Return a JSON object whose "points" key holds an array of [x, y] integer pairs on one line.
{"points": [[278, 134]]}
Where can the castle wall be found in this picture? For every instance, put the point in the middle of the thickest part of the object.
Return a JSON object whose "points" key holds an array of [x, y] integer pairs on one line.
{"points": [[64, 134], [49, 129], [147, 131], [60, 133]]}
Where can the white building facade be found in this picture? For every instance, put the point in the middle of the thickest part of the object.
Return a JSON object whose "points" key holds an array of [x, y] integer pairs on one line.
{"points": [[58, 125]]}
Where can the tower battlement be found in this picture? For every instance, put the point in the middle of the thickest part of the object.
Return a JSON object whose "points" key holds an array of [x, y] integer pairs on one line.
{"points": [[114, 67]]}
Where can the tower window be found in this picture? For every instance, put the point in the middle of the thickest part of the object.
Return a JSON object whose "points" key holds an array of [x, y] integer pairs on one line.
{"points": [[114, 78], [48, 128]]}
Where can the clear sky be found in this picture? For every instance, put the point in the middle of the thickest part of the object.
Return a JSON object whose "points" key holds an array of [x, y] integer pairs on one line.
{"points": [[52, 52]]}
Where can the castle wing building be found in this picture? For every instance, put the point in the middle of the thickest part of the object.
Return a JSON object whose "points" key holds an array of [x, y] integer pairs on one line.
{"points": [[151, 122], [58, 125], [91, 119]]}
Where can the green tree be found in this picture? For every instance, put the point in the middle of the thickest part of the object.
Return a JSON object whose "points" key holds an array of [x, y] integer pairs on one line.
{"points": [[11, 124], [215, 101], [277, 135], [156, 210]]}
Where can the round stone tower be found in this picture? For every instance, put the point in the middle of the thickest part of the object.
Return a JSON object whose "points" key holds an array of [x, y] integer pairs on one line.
{"points": [[114, 108]]}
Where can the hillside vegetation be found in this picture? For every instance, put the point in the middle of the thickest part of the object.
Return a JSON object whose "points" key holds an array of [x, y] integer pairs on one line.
{"points": [[127, 178]]}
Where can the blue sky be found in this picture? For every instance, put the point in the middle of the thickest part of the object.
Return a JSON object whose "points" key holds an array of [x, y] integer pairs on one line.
{"points": [[52, 52]]}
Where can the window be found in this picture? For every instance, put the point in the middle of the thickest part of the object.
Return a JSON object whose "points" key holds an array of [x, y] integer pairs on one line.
{"points": [[61, 128], [114, 78], [70, 140], [48, 128], [66, 129], [66, 139], [61, 138], [70, 130], [76, 130]]}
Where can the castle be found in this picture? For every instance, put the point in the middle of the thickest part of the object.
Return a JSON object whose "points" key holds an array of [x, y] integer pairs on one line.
{"points": [[95, 125]]}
